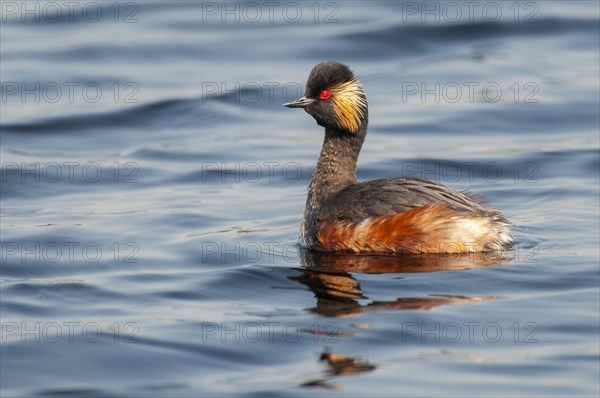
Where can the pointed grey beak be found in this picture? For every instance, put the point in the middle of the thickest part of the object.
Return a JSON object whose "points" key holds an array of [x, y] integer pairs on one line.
{"points": [[300, 103]]}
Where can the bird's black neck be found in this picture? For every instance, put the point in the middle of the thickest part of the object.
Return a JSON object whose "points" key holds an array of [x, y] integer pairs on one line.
{"points": [[336, 167]]}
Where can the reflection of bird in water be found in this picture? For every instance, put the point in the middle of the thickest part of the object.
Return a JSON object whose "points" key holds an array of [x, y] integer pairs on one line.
{"points": [[401, 263], [338, 293], [343, 365], [339, 365]]}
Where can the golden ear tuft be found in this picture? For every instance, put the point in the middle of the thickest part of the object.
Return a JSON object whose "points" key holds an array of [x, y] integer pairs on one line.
{"points": [[349, 103]]}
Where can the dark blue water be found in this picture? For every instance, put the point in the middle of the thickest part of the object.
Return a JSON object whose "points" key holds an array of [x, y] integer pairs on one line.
{"points": [[152, 188]]}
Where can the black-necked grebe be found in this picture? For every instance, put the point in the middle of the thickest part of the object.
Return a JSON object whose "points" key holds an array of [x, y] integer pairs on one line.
{"points": [[399, 215]]}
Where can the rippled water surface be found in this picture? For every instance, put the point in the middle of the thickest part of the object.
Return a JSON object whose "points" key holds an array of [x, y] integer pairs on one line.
{"points": [[152, 188]]}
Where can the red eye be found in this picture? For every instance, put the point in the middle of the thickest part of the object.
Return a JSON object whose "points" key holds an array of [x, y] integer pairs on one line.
{"points": [[325, 94]]}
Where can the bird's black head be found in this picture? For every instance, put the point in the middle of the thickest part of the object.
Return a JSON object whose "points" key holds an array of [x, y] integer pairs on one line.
{"points": [[334, 97]]}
